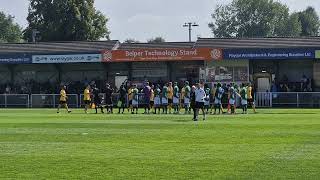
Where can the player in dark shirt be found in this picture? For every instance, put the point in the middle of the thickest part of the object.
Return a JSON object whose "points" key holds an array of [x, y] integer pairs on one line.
{"points": [[122, 98], [97, 99], [108, 98]]}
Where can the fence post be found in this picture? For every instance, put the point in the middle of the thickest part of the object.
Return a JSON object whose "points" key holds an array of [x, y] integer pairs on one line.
{"points": [[270, 101], [5, 101], [77, 100], [31, 101], [28, 102], [54, 100], [297, 100]]}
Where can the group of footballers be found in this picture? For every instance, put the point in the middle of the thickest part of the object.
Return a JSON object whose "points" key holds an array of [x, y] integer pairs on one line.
{"points": [[168, 98]]}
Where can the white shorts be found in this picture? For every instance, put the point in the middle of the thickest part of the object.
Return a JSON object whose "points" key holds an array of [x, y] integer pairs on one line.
{"points": [[217, 101], [186, 101], [232, 101], [175, 100], [164, 101], [244, 102], [157, 101], [135, 103]]}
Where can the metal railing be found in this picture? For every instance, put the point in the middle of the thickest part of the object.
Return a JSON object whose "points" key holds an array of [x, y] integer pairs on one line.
{"points": [[262, 99], [288, 99], [14, 100], [52, 100]]}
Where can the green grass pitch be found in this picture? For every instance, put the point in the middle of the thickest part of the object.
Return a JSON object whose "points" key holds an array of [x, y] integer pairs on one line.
{"points": [[273, 144]]}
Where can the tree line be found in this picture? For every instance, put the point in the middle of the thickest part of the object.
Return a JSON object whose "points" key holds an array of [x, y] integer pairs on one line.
{"points": [[77, 20], [262, 18]]}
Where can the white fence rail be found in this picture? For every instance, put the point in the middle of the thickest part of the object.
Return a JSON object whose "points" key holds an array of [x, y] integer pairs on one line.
{"points": [[14, 100], [266, 100], [288, 99], [52, 100]]}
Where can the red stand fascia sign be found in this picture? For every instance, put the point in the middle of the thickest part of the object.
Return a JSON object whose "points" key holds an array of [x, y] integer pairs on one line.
{"points": [[166, 54]]}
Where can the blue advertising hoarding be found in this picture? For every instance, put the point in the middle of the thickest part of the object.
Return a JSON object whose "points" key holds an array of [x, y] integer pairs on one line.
{"points": [[263, 54], [15, 59]]}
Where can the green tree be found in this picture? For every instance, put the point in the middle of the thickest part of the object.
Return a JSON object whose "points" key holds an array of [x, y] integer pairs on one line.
{"points": [[250, 18], [156, 40], [225, 23], [310, 22], [9, 31], [293, 26], [66, 20]]}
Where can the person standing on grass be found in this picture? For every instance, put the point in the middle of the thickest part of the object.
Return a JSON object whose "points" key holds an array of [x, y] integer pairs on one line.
{"points": [[157, 99], [97, 99], [187, 93], [164, 99], [152, 98], [207, 98], [193, 102], [108, 98], [232, 99], [176, 98], [218, 97], [130, 97], [244, 98], [122, 98], [63, 99], [251, 97], [87, 98], [200, 96], [135, 99], [170, 96], [147, 95], [212, 97]]}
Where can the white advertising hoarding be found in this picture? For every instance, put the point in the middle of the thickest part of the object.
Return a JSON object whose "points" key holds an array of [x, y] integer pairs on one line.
{"points": [[71, 58]]}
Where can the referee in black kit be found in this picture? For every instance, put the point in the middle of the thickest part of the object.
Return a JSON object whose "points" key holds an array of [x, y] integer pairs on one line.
{"points": [[200, 99]]}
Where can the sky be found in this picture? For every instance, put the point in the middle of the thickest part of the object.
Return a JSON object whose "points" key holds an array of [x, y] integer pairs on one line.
{"points": [[146, 19]]}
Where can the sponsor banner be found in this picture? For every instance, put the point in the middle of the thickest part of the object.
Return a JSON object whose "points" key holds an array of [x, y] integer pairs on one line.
{"points": [[177, 54], [15, 59], [269, 53], [70, 58]]}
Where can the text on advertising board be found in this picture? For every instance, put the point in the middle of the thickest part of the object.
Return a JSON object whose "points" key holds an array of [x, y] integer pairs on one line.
{"points": [[178, 54], [269, 53], [74, 58], [15, 59]]}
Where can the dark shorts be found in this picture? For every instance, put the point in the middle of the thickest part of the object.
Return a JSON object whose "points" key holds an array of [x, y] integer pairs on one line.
{"points": [[250, 101], [63, 102], [109, 101], [97, 102], [170, 101], [130, 102], [147, 101], [151, 103], [199, 105], [87, 102]]}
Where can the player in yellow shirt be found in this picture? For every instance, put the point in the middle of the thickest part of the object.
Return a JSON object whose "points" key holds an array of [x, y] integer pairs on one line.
{"points": [[213, 95], [130, 97], [86, 98], [170, 96], [250, 95], [63, 99], [182, 97], [152, 97]]}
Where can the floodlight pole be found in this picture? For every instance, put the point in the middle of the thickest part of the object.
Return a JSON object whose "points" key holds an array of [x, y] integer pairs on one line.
{"points": [[190, 25]]}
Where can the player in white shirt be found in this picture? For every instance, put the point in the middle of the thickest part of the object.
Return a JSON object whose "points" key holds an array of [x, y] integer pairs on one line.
{"points": [[200, 100]]}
